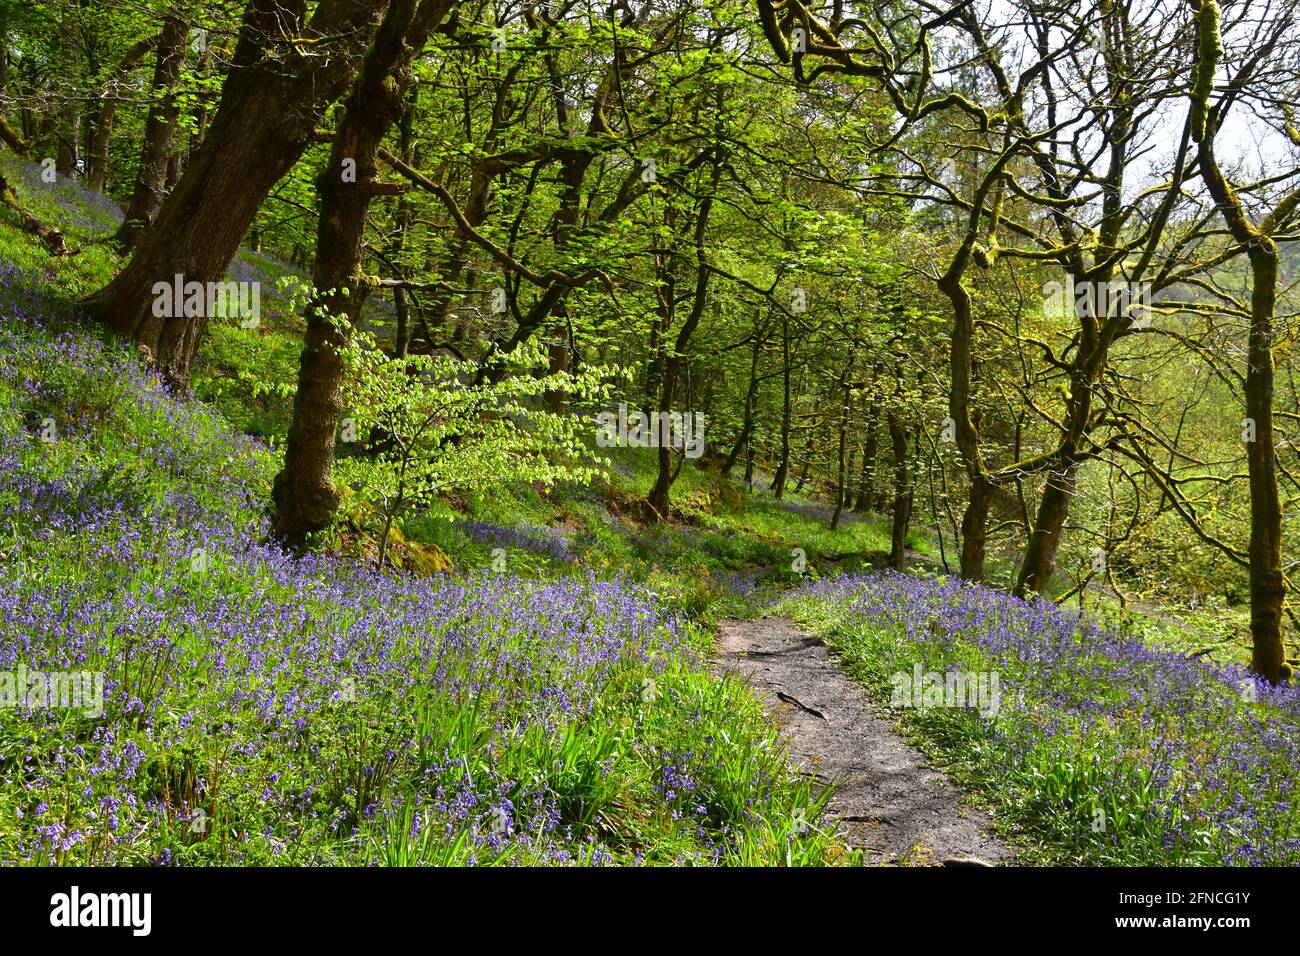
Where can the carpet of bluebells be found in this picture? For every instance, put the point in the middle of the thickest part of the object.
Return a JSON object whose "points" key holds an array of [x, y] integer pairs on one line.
{"points": [[549, 542], [61, 199], [1118, 752], [262, 708]]}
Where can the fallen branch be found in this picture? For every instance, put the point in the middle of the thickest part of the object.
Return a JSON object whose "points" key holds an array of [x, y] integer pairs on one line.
{"points": [[13, 139], [52, 237]]}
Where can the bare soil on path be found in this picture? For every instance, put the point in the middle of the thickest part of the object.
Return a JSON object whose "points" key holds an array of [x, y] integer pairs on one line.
{"points": [[891, 802]]}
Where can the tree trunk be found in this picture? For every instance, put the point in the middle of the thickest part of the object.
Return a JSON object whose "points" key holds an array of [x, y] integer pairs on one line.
{"points": [[1040, 554], [783, 468], [267, 117], [102, 137], [53, 238], [13, 139], [402, 335], [751, 398], [1267, 582], [1039, 562], [558, 360], [657, 500], [159, 128], [974, 526], [304, 493], [870, 450], [902, 493], [974, 530]]}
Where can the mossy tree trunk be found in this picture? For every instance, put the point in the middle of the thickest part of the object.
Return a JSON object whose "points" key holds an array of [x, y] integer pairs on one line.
{"points": [[304, 493]]}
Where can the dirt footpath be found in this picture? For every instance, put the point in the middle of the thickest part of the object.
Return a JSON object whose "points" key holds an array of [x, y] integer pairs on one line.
{"points": [[891, 803]]}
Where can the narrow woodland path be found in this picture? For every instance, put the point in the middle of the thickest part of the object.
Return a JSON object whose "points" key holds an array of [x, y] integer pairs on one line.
{"points": [[890, 800]]}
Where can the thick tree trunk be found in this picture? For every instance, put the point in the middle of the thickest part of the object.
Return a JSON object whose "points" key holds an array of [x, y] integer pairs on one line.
{"points": [[974, 530], [159, 128], [304, 493], [101, 139], [558, 359], [1039, 563], [1267, 583], [974, 526], [270, 104], [53, 238], [13, 139], [1040, 553]]}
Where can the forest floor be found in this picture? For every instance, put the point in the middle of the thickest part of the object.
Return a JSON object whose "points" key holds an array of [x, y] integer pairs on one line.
{"points": [[890, 802]]}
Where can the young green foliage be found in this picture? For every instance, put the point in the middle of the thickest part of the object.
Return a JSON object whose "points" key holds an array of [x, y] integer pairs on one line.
{"points": [[432, 429]]}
